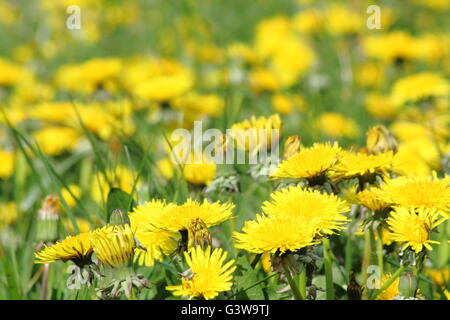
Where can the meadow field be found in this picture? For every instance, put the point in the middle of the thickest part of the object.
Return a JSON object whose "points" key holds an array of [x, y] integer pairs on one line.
{"points": [[229, 150]]}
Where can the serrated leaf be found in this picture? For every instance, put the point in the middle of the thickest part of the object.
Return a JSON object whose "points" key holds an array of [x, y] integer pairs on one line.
{"points": [[245, 279]]}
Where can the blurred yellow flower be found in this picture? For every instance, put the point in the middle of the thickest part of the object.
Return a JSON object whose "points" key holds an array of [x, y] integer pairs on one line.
{"points": [[7, 160], [336, 125]]}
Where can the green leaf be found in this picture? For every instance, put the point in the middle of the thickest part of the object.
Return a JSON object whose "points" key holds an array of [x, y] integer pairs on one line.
{"points": [[246, 279]]}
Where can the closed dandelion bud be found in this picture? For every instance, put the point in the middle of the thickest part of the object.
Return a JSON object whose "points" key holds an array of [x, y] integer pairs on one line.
{"points": [[199, 234], [118, 217], [291, 146], [47, 220], [407, 285], [380, 140]]}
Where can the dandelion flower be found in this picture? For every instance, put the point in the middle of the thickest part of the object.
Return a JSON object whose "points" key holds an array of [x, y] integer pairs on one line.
{"points": [[278, 234], [309, 162], [392, 291], [178, 218], [357, 164], [157, 243], [7, 160], [113, 245], [419, 86], [414, 191], [77, 249], [210, 275], [412, 226], [323, 212]]}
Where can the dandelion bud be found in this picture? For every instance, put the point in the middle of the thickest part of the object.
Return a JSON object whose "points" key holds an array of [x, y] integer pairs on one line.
{"points": [[407, 285], [291, 146], [118, 217], [48, 216], [380, 140], [199, 234]]}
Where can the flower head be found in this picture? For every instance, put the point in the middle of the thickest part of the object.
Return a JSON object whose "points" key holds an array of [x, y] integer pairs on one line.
{"points": [[309, 162], [413, 226], [392, 291], [357, 164], [113, 245], [428, 192], [77, 249], [210, 275], [323, 212], [279, 234], [178, 218]]}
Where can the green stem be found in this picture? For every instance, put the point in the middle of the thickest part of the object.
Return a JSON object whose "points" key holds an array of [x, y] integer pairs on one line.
{"points": [[292, 284], [328, 263], [380, 251], [302, 282], [389, 282], [349, 255], [366, 260]]}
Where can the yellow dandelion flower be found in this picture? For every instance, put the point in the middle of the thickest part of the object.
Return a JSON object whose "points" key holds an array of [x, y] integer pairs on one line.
{"points": [[322, 212], [68, 198], [416, 191], [8, 214], [7, 160], [439, 276], [309, 162], [395, 46], [200, 172], [392, 291], [369, 198], [279, 234], [250, 134], [337, 126], [210, 275], [178, 218], [113, 245], [57, 140], [419, 86], [380, 140], [413, 226], [381, 106], [77, 249], [357, 164], [157, 243]]}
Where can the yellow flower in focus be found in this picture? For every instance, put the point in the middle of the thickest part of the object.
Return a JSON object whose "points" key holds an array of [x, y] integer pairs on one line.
{"points": [[419, 86], [392, 291], [76, 249], [7, 160], [413, 226], [309, 162], [57, 140], [322, 212], [157, 243], [414, 191], [113, 245], [278, 234], [369, 198], [336, 125], [210, 275], [357, 164], [178, 218]]}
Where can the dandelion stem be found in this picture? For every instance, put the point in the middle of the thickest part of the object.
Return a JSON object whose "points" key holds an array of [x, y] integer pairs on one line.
{"points": [[390, 281], [302, 282], [328, 264], [292, 284], [380, 251]]}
